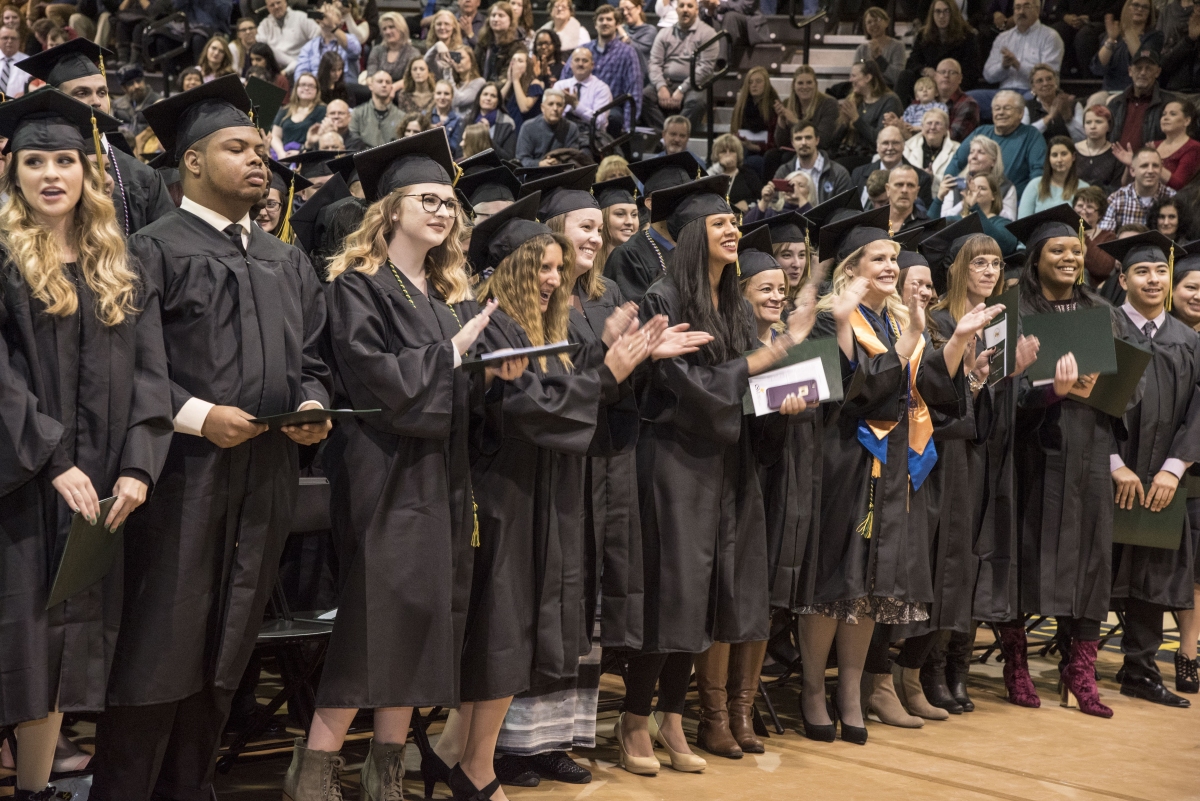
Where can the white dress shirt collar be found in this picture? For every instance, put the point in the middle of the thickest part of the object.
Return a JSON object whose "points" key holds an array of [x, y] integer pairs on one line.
{"points": [[1136, 317], [218, 221]]}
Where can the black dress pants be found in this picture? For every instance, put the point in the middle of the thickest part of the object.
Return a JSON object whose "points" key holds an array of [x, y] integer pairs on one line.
{"points": [[1142, 638], [164, 752]]}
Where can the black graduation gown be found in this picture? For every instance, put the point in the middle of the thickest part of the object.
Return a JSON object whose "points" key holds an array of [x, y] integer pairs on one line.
{"points": [[894, 561], [526, 624], [612, 528], [140, 195], [201, 562], [401, 495], [73, 392], [1064, 504], [1165, 424], [636, 264], [703, 525]]}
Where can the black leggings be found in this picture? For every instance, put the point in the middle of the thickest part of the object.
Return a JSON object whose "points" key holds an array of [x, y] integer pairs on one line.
{"points": [[672, 673], [917, 649]]}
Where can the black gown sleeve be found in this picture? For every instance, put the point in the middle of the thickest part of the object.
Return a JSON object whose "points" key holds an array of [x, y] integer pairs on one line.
{"points": [[316, 380], [28, 438]]}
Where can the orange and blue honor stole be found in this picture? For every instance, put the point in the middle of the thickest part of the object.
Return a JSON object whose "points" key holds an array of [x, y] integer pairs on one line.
{"points": [[873, 434]]}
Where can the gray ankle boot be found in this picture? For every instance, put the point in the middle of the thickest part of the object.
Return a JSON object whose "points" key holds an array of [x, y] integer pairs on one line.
{"points": [[313, 775], [383, 772]]}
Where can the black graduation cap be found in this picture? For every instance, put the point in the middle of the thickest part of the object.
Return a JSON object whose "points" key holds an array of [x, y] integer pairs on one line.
{"points": [[267, 99], [315, 163], [494, 239], [754, 253], [788, 227], [908, 238], [1060, 220], [680, 205], [50, 120], [820, 214], [527, 174], [182, 120], [422, 158], [1151, 246], [77, 58], [615, 190], [282, 177], [941, 248], [664, 172], [304, 220], [563, 193], [485, 186], [343, 165], [485, 160], [844, 236], [910, 258], [1189, 263]]}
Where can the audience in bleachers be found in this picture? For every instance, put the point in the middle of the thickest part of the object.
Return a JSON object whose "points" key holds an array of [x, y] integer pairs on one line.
{"points": [[1050, 110], [1020, 48], [1059, 180], [670, 89], [828, 178], [1131, 202], [945, 34], [1023, 147], [1127, 37], [1098, 165], [861, 114], [931, 148]]}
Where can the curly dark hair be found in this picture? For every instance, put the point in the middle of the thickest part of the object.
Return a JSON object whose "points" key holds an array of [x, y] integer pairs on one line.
{"points": [[1187, 224]]}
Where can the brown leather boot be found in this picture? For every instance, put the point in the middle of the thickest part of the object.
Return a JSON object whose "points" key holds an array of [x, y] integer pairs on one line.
{"points": [[745, 667], [712, 673]]}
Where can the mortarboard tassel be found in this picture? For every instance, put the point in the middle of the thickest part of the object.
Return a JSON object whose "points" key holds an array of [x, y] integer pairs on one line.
{"points": [[286, 234], [102, 71], [475, 515], [99, 149], [1079, 278], [807, 257], [1170, 276], [458, 173]]}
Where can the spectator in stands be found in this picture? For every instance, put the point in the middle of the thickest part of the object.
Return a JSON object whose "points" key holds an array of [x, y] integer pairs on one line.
{"points": [[396, 49], [945, 34], [924, 99], [1134, 32], [641, 34], [217, 61], [331, 79], [861, 114], [190, 78], [827, 177], [375, 123], [983, 195], [902, 188], [287, 31], [548, 57], [807, 102], [1137, 111], [1023, 147], [754, 118], [677, 129], [985, 158], [1130, 203], [416, 94], [15, 78], [522, 91], [1179, 151], [1016, 51], [523, 14], [476, 139], [616, 63], [733, 17], [1181, 53], [471, 21], [548, 132], [932, 148], [501, 128], [771, 202], [128, 107], [239, 48], [330, 39], [571, 34], [666, 13], [1059, 181], [584, 92], [963, 110], [129, 28], [303, 110], [498, 42], [337, 120], [882, 50], [412, 123], [1091, 203], [727, 159], [263, 57], [889, 154], [446, 38], [1052, 111], [1095, 162], [670, 89]]}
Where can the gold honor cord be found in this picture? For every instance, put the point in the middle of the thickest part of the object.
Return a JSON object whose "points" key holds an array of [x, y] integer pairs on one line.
{"points": [[1079, 278]]}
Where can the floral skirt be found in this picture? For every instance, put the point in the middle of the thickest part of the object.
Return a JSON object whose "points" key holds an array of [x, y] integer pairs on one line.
{"points": [[878, 608]]}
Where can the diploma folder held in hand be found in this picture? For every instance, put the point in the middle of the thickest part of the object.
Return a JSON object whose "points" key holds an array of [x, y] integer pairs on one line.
{"points": [[1085, 333], [1162, 529], [497, 357], [305, 416], [88, 555], [827, 376], [1111, 393]]}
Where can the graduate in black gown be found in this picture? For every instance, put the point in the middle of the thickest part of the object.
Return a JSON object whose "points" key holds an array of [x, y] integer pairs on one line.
{"points": [[645, 256], [275, 211], [703, 528], [873, 564], [84, 393], [1062, 456], [1163, 442], [619, 201], [526, 621], [242, 317], [139, 193]]}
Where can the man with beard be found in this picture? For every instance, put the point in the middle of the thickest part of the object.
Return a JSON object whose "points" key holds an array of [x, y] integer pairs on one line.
{"points": [[128, 107]]}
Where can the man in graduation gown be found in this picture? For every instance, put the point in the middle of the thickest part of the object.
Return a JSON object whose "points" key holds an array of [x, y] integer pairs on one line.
{"points": [[242, 316], [643, 258], [1163, 442], [139, 193]]}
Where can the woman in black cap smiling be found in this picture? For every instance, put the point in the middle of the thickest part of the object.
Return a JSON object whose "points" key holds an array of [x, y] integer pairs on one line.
{"points": [[874, 563], [697, 477], [83, 384], [618, 200], [401, 318]]}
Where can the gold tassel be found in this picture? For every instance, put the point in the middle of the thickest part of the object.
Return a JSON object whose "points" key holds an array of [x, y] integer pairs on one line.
{"points": [[99, 149], [102, 72], [1170, 276], [286, 234], [475, 514], [1079, 277], [867, 524], [458, 173], [807, 256], [891, 231], [738, 264]]}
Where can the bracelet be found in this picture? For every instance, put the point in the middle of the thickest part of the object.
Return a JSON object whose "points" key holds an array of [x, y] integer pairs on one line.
{"points": [[973, 383]]}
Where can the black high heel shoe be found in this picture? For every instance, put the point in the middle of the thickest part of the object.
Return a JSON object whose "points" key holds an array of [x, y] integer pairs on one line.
{"points": [[821, 732], [852, 734], [465, 790], [433, 769]]}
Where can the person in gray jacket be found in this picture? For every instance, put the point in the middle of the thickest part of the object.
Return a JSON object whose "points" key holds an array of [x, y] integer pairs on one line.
{"points": [[827, 176], [375, 123], [550, 131]]}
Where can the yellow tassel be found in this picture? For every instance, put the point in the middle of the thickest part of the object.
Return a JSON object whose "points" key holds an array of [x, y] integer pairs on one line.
{"points": [[891, 231], [286, 234], [1170, 275], [738, 264], [458, 173], [99, 148], [475, 514], [867, 524], [1079, 277], [102, 72], [807, 256]]}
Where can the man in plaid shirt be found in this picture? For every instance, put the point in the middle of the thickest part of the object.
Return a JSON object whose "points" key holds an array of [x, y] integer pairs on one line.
{"points": [[1130, 203], [615, 63]]}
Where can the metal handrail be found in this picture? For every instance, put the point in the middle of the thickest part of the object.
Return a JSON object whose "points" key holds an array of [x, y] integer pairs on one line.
{"points": [[720, 70], [620, 100], [804, 24]]}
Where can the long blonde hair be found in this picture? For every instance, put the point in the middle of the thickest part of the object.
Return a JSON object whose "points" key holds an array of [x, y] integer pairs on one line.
{"points": [[366, 250], [102, 258], [456, 40], [955, 300], [793, 102], [765, 104], [514, 285], [593, 281], [894, 305]]}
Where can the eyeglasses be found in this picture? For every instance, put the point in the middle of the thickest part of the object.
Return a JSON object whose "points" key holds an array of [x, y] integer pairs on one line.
{"points": [[274, 205], [431, 203], [981, 265]]}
